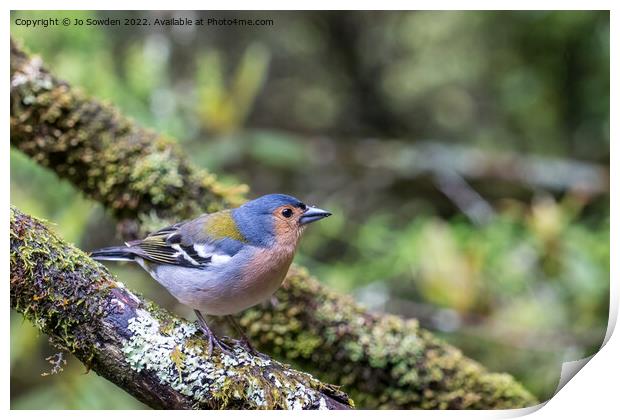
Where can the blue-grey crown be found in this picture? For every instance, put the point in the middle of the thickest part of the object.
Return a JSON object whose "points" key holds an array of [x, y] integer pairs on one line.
{"points": [[254, 218], [270, 202]]}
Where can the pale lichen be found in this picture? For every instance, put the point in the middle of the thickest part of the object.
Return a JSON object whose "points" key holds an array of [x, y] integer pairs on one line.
{"points": [[159, 358], [180, 361], [102, 153]]}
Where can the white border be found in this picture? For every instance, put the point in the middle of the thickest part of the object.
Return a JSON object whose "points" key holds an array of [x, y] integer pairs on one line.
{"points": [[592, 392], [312, 5]]}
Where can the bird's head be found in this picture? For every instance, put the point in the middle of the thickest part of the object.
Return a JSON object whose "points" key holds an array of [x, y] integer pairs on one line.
{"points": [[275, 217]]}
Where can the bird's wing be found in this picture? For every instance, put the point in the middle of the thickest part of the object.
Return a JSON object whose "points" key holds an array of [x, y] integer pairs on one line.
{"points": [[196, 244]]}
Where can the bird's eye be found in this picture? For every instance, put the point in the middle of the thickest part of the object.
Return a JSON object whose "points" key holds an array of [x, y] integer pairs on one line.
{"points": [[287, 213]]}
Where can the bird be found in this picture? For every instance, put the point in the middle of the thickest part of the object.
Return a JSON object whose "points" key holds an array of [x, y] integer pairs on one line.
{"points": [[224, 262]]}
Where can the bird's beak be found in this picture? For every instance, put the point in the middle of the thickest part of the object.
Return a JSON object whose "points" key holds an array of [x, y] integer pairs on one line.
{"points": [[312, 214]]}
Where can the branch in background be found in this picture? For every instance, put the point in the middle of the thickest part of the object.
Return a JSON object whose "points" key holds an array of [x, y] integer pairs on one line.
{"points": [[476, 208], [384, 361], [555, 174], [156, 357], [381, 360], [133, 172], [481, 327]]}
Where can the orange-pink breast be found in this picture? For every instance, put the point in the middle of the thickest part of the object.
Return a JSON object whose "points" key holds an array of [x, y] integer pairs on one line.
{"points": [[264, 274]]}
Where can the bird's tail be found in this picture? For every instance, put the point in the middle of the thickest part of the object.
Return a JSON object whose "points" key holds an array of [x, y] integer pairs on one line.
{"points": [[113, 253]]}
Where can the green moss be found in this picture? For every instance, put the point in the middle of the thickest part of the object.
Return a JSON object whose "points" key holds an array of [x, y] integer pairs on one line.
{"points": [[66, 294], [135, 173], [382, 361], [63, 310]]}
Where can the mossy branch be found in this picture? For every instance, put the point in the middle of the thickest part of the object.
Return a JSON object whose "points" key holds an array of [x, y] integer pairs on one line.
{"points": [[383, 360], [158, 358]]}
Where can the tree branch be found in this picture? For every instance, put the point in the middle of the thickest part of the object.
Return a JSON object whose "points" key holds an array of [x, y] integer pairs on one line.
{"points": [[382, 360], [158, 358]]}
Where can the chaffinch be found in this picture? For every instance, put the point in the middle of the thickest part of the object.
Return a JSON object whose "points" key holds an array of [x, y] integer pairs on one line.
{"points": [[222, 263]]}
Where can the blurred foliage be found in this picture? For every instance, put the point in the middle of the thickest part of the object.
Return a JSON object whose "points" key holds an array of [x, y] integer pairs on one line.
{"points": [[286, 108], [223, 110], [532, 280]]}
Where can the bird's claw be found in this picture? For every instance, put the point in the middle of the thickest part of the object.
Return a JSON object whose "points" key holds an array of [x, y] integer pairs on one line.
{"points": [[247, 346], [224, 347], [215, 342], [244, 343]]}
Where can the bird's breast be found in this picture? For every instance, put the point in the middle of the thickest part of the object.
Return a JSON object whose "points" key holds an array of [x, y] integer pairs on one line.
{"points": [[264, 274], [253, 280]]}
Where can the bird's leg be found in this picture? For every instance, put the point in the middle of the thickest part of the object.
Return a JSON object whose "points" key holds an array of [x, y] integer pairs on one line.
{"points": [[245, 342], [213, 340]]}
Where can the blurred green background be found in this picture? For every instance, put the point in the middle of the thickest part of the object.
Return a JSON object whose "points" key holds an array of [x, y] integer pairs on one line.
{"points": [[465, 156]]}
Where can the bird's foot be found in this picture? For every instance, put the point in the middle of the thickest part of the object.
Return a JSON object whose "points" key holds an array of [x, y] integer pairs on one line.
{"points": [[215, 342], [212, 338], [223, 347], [245, 343], [230, 342]]}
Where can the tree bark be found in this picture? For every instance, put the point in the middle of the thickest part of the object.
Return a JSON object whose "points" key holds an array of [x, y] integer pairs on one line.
{"points": [[158, 358], [383, 361]]}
